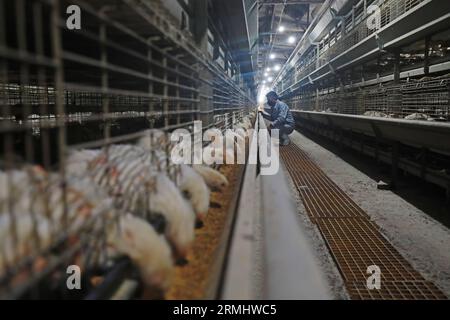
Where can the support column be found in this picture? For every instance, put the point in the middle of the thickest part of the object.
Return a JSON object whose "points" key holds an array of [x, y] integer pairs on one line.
{"points": [[151, 109], [199, 27], [166, 94], [397, 66], [105, 84], [426, 67]]}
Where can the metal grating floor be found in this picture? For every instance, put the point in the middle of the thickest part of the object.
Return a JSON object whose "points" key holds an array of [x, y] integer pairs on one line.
{"points": [[354, 241]]}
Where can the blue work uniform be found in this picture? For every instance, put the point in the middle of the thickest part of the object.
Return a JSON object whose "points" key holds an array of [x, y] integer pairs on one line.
{"points": [[281, 118]]}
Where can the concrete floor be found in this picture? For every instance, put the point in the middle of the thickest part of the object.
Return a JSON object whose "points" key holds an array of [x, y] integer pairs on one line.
{"points": [[423, 241]]}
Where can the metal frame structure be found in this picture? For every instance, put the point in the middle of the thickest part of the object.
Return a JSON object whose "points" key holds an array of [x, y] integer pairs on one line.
{"points": [[342, 65], [420, 148], [294, 16], [128, 69]]}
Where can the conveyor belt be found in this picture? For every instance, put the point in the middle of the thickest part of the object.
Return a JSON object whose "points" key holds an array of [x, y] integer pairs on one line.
{"points": [[353, 240]]}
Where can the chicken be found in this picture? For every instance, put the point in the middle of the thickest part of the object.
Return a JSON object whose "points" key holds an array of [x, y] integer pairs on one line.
{"points": [[216, 156], [149, 251], [129, 176], [219, 151], [213, 178], [195, 187], [245, 124], [218, 140], [17, 189], [40, 216], [30, 233], [418, 116], [77, 162], [241, 132], [239, 139], [122, 174], [180, 217], [189, 181], [153, 138], [375, 114]]}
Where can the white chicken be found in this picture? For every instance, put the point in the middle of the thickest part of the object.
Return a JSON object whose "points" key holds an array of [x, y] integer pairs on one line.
{"points": [[38, 218], [213, 156], [31, 234], [36, 191], [219, 141], [196, 189], [168, 201], [246, 122], [25, 231], [149, 251], [128, 175], [241, 132], [189, 181], [213, 178]]}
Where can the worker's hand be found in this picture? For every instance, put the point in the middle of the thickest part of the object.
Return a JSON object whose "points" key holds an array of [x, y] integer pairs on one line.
{"points": [[261, 108]]}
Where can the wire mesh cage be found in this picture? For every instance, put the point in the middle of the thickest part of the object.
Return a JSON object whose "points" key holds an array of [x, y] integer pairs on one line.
{"points": [[73, 105], [428, 96]]}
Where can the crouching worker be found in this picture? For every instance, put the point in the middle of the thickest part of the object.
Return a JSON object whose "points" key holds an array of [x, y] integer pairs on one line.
{"points": [[280, 117]]}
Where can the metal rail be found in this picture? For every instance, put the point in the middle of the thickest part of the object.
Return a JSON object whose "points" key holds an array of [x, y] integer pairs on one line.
{"points": [[420, 134]]}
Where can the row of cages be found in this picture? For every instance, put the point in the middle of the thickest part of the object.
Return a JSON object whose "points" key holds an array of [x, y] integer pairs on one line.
{"points": [[428, 97], [127, 76], [356, 30]]}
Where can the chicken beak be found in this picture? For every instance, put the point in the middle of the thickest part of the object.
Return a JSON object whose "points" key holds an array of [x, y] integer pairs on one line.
{"points": [[180, 258]]}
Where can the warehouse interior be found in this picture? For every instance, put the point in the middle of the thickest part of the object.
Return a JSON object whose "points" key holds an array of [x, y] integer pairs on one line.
{"points": [[96, 98]]}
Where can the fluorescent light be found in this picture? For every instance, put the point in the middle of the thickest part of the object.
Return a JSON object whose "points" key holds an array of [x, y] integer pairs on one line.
{"points": [[291, 39], [281, 29], [270, 79], [277, 67], [268, 69], [272, 56], [264, 81]]}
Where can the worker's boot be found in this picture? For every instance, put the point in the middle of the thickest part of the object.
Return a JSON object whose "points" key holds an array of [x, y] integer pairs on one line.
{"points": [[284, 140]]}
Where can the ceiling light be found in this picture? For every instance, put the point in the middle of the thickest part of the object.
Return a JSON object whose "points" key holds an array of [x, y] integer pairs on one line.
{"points": [[272, 56], [281, 29], [266, 74], [277, 67], [264, 81], [291, 39], [268, 69], [270, 79]]}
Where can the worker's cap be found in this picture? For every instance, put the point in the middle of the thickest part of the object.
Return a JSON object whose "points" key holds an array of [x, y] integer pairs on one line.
{"points": [[272, 94]]}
